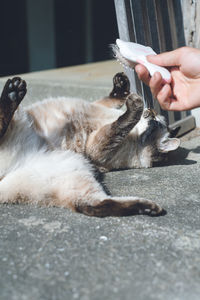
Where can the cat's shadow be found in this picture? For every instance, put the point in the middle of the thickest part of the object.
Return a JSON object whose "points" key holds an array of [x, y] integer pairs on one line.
{"points": [[179, 157]]}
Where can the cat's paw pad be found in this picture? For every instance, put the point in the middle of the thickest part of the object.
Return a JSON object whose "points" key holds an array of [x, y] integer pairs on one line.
{"points": [[15, 89], [121, 81], [121, 86], [135, 103]]}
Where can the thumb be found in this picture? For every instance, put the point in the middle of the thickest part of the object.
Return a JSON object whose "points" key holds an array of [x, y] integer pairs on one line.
{"points": [[166, 59]]}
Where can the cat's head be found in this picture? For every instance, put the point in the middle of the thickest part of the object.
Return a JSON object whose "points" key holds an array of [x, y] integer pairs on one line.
{"points": [[156, 134]]}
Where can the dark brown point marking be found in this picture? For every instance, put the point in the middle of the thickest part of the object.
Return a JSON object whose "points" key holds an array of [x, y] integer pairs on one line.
{"points": [[12, 94]]}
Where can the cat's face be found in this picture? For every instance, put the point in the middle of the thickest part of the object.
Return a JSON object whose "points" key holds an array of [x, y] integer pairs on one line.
{"points": [[155, 133]]}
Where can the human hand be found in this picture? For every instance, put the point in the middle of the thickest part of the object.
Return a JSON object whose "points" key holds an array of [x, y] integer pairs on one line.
{"points": [[183, 92]]}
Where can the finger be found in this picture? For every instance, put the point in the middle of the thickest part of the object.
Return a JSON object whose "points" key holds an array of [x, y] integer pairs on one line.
{"points": [[168, 102], [171, 58], [178, 106], [143, 73], [156, 83], [164, 97]]}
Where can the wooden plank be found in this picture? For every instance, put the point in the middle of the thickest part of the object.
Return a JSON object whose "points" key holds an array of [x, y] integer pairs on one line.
{"points": [[123, 12], [126, 28], [160, 28], [146, 23], [186, 125], [172, 24]]}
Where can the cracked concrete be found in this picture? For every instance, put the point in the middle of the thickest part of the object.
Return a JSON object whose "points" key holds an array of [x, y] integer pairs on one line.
{"points": [[52, 253]]}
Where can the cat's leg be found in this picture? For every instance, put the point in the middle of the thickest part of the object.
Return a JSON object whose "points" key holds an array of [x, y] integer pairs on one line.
{"points": [[103, 144], [119, 93], [71, 185], [122, 206], [81, 192], [12, 94]]}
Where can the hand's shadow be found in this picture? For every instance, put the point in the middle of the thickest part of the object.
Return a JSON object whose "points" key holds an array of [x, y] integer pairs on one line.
{"points": [[179, 157], [196, 150]]}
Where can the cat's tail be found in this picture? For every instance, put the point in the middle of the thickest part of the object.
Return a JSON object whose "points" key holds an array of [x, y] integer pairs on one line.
{"points": [[122, 206]]}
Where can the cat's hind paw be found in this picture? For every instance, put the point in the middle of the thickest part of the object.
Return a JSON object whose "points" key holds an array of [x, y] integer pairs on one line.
{"points": [[14, 91], [121, 86], [152, 209], [122, 207]]}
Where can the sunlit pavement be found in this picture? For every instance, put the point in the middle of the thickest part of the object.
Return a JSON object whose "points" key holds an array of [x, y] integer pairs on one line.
{"points": [[51, 253]]}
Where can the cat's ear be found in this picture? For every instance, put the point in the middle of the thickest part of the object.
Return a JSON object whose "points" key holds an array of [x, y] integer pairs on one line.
{"points": [[168, 145]]}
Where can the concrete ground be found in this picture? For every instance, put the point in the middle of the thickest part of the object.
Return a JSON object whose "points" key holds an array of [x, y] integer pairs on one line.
{"points": [[52, 253]]}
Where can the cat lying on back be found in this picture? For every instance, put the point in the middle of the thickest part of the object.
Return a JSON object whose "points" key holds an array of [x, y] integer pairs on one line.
{"points": [[48, 150]]}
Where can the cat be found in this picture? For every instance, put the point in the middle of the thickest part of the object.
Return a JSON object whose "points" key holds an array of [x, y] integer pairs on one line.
{"points": [[49, 151]]}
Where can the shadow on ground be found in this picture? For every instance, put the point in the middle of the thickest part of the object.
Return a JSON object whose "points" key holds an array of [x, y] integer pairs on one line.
{"points": [[179, 157]]}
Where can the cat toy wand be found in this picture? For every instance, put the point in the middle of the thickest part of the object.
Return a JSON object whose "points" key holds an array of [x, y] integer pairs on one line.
{"points": [[129, 54]]}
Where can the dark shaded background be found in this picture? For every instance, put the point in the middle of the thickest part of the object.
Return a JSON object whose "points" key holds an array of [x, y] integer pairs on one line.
{"points": [[37, 35]]}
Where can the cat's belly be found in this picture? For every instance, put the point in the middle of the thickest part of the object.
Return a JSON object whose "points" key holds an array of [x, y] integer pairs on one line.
{"points": [[19, 141]]}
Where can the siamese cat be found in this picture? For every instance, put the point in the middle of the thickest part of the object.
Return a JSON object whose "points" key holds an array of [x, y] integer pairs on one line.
{"points": [[50, 150]]}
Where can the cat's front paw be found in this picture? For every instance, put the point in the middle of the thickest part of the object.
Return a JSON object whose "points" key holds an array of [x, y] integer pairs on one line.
{"points": [[14, 90], [135, 103], [121, 86]]}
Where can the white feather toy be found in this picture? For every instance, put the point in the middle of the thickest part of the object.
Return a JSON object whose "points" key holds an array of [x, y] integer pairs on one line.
{"points": [[130, 54]]}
